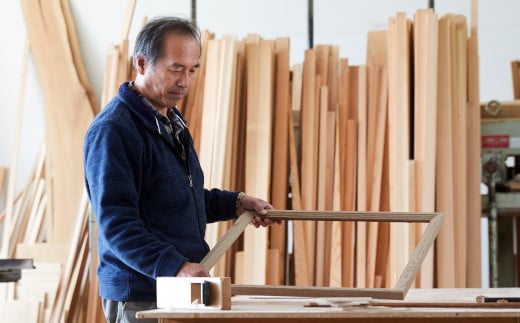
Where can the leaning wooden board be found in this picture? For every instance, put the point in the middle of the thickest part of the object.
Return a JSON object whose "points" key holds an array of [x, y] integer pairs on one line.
{"points": [[399, 60], [260, 68], [67, 105], [425, 42], [473, 155]]}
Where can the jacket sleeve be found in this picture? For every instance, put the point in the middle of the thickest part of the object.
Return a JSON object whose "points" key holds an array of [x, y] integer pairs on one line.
{"points": [[113, 162], [220, 205]]}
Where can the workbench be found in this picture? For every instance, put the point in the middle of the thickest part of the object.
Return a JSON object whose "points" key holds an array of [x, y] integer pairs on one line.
{"points": [[256, 309]]}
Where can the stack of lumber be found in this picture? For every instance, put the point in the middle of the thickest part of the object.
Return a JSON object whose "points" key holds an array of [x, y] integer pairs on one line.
{"points": [[400, 133]]}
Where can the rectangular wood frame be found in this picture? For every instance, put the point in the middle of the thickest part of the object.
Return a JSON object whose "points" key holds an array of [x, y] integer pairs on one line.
{"points": [[402, 285]]}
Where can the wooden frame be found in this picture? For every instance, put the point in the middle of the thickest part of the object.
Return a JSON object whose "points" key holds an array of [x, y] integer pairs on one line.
{"points": [[402, 285]]}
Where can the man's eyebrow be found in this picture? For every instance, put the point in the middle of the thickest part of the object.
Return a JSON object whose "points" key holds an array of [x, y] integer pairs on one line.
{"points": [[177, 65]]}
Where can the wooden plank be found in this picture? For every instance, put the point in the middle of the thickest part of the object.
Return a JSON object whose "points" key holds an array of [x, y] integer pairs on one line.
{"points": [[359, 86], [298, 291], [357, 216], [445, 255], [377, 142], [473, 156], [67, 114], [260, 68], [426, 33], [321, 188], [350, 164], [336, 237], [399, 138], [280, 161], [301, 263], [227, 240], [309, 150], [459, 119]]}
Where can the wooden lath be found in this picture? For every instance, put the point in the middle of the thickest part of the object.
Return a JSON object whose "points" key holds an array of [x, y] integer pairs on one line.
{"points": [[402, 285]]}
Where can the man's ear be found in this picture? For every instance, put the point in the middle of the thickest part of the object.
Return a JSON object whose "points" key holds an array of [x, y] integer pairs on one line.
{"points": [[140, 64]]}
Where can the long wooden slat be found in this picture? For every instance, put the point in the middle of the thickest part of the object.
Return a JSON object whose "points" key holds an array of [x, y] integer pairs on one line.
{"points": [[322, 185], [280, 162], [459, 119], [336, 237], [309, 150], [360, 87], [364, 216], [377, 142], [426, 33], [301, 263], [260, 68], [399, 138], [445, 255], [227, 240], [350, 166], [298, 291], [473, 279]]}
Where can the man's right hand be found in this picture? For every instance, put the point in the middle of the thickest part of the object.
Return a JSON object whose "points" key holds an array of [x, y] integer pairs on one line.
{"points": [[191, 269]]}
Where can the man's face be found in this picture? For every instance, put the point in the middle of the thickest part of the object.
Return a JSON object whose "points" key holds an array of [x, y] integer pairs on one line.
{"points": [[169, 80]]}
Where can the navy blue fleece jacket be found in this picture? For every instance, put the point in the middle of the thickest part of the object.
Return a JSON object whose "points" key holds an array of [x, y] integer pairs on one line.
{"points": [[151, 208]]}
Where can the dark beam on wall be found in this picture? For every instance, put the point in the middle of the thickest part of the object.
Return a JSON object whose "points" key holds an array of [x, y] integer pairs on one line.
{"points": [[194, 10], [310, 21]]}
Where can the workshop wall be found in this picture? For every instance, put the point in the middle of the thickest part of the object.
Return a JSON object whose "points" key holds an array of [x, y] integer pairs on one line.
{"points": [[338, 22]]}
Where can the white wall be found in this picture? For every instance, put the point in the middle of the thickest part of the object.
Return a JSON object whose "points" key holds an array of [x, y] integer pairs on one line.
{"points": [[339, 22]]}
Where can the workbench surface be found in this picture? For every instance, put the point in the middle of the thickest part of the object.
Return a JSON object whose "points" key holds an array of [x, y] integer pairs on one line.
{"points": [[255, 309]]}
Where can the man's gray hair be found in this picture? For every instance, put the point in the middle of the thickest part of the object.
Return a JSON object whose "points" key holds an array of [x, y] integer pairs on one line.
{"points": [[150, 40]]}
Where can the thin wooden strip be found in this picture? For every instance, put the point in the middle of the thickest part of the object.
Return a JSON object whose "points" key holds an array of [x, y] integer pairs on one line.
{"points": [[316, 291], [377, 145], [459, 119], [426, 34], [301, 263], [413, 265], [336, 237], [260, 68], [366, 216], [445, 253], [309, 150], [350, 168], [399, 138], [227, 240], [280, 169], [322, 184], [473, 156], [361, 187]]}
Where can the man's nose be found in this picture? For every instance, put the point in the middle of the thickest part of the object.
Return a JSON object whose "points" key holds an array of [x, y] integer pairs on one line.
{"points": [[184, 79]]}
